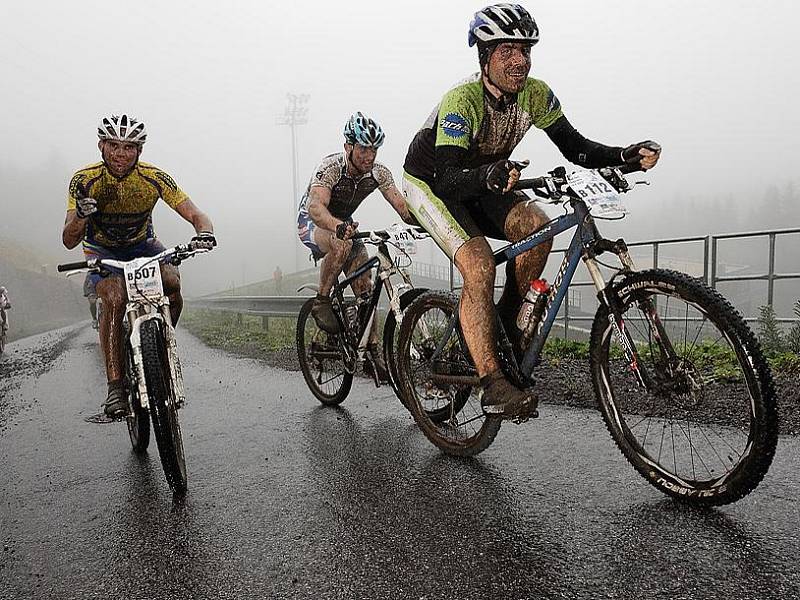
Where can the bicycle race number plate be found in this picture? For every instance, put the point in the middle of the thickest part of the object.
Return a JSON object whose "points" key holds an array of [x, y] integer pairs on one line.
{"points": [[599, 195], [143, 278], [404, 240]]}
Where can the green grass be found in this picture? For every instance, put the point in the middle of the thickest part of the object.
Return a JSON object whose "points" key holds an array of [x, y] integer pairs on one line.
{"points": [[240, 333], [245, 334]]}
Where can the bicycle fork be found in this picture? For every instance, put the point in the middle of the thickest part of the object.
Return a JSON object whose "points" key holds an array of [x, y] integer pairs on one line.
{"points": [[615, 319]]}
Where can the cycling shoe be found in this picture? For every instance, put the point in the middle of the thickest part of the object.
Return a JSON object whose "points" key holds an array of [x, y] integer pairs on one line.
{"points": [[322, 311], [502, 398], [115, 406]]}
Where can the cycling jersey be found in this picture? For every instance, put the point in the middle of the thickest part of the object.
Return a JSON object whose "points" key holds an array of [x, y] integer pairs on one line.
{"points": [[347, 192], [125, 205], [447, 161], [488, 129]]}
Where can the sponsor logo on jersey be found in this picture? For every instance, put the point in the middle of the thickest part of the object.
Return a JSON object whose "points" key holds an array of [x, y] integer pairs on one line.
{"points": [[168, 181], [454, 125]]}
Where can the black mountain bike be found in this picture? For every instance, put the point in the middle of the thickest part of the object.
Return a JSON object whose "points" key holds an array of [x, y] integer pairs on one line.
{"points": [[329, 361], [679, 377]]}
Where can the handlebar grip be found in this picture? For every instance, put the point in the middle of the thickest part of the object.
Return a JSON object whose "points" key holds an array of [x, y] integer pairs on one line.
{"points": [[72, 266], [528, 184]]}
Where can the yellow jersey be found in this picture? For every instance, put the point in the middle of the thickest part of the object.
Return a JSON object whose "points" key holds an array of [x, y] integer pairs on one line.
{"points": [[124, 204]]}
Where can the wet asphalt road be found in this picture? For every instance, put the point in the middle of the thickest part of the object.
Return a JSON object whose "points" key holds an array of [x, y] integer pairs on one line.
{"points": [[288, 499]]}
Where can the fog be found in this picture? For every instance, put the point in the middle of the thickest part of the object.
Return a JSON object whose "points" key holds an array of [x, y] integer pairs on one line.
{"points": [[714, 82]]}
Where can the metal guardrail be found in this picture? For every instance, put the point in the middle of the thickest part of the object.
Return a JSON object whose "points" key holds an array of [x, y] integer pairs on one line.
{"points": [[289, 306], [263, 306]]}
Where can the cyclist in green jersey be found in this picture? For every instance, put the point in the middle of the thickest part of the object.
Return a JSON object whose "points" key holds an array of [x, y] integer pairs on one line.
{"points": [[109, 210], [459, 181]]}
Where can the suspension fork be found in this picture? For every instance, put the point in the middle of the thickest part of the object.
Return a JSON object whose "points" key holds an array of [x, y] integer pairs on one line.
{"points": [[610, 299], [669, 357]]}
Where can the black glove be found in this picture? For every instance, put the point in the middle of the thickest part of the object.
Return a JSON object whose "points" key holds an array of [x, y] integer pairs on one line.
{"points": [[630, 155], [204, 240], [85, 206], [498, 174]]}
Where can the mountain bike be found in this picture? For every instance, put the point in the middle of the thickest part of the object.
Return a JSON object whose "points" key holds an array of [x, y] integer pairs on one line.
{"points": [[153, 378], [678, 375], [329, 361]]}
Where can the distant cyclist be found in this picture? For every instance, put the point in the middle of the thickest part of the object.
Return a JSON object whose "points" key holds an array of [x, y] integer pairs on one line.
{"points": [[459, 181], [109, 209], [339, 185]]}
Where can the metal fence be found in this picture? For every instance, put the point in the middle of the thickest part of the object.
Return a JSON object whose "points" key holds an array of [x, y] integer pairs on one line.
{"points": [[707, 263]]}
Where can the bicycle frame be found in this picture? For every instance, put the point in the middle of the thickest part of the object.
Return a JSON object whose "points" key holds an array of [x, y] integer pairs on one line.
{"points": [[585, 237], [385, 269]]}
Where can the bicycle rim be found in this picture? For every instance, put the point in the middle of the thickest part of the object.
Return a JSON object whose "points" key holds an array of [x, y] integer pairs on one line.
{"points": [[705, 428], [321, 360], [440, 388]]}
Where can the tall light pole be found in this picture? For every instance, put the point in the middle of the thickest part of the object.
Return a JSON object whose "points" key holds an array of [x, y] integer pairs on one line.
{"points": [[295, 114]]}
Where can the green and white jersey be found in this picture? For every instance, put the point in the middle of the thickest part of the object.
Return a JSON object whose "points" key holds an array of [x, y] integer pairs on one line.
{"points": [[469, 118]]}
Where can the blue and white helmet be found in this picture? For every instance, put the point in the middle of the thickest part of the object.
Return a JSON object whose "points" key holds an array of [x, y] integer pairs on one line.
{"points": [[362, 130], [502, 23], [122, 128]]}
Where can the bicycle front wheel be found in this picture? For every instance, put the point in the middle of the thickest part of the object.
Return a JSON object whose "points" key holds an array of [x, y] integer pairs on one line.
{"points": [[695, 411], [390, 336], [321, 360], [163, 408], [441, 388]]}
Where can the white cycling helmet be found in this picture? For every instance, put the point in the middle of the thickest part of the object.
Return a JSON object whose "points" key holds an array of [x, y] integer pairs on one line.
{"points": [[502, 23], [122, 129]]}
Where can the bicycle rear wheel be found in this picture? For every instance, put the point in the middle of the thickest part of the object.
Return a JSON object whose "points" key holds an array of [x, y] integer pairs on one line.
{"points": [[701, 423], [441, 389], [163, 408], [321, 360]]}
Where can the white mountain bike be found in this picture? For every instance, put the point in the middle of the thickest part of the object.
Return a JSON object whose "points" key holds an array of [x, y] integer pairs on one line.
{"points": [[153, 378]]}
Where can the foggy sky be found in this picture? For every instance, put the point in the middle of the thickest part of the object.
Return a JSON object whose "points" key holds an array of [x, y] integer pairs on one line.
{"points": [[715, 82]]}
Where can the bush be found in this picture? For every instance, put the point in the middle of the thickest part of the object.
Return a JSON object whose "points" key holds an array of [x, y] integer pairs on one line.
{"points": [[793, 337], [769, 331]]}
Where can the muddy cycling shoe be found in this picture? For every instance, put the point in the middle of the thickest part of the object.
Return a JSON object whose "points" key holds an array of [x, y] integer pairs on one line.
{"points": [[322, 311], [374, 366], [502, 398], [115, 405]]}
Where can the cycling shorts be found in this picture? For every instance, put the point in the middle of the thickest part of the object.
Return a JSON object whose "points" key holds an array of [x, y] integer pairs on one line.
{"points": [[452, 223], [149, 247]]}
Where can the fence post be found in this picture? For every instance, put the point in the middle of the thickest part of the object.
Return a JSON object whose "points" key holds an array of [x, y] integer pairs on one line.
{"points": [[265, 323], [706, 244], [713, 282], [655, 255], [452, 285], [771, 271]]}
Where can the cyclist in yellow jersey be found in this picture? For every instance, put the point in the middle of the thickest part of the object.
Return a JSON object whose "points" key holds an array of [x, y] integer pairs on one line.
{"points": [[109, 209]]}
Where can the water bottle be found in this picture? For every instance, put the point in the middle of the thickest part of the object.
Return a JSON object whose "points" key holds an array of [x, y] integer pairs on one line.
{"points": [[532, 307]]}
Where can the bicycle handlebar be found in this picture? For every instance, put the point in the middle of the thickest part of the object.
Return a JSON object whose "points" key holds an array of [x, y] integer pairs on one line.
{"points": [[72, 266], [176, 253]]}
